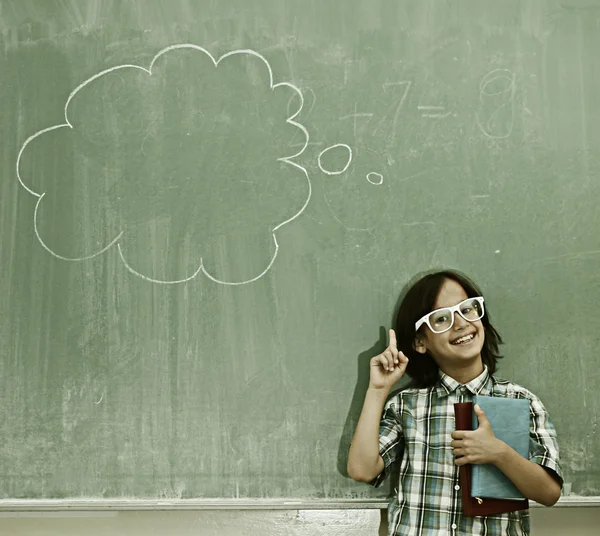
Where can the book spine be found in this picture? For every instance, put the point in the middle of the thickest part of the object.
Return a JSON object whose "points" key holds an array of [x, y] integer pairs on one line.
{"points": [[462, 419]]}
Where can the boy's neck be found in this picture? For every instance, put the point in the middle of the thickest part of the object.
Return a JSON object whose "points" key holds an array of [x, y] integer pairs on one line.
{"points": [[464, 374]]}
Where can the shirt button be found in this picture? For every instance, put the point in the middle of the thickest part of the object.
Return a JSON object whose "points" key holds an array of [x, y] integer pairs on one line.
{"points": [[453, 526], [457, 487]]}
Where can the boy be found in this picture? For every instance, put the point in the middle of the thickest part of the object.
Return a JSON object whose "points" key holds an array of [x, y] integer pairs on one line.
{"points": [[453, 350]]}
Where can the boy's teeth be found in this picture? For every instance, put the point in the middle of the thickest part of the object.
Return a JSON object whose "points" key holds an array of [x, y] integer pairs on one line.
{"points": [[463, 339]]}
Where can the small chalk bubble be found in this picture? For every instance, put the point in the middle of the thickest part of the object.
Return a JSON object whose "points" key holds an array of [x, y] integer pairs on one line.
{"points": [[375, 178], [337, 171], [497, 251]]}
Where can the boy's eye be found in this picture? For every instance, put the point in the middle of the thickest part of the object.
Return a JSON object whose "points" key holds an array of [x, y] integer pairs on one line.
{"points": [[440, 319], [466, 310]]}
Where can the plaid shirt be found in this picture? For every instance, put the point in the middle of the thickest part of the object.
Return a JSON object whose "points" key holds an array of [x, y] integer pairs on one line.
{"points": [[415, 430]]}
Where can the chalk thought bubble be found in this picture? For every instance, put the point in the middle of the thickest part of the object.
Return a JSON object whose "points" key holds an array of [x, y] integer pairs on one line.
{"points": [[190, 139]]}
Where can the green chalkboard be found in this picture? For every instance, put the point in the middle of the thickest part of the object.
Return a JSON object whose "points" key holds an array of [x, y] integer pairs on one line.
{"points": [[208, 211]]}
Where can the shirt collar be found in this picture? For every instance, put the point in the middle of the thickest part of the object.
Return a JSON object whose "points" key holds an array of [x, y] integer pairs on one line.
{"points": [[481, 385]]}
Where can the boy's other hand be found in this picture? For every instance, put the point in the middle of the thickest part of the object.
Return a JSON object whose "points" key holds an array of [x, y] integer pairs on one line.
{"points": [[477, 446]]}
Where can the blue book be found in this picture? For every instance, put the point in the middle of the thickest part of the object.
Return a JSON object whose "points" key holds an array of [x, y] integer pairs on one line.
{"points": [[509, 418]]}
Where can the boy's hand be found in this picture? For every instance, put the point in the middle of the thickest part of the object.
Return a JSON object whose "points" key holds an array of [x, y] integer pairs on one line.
{"points": [[388, 367], [477, 446]]}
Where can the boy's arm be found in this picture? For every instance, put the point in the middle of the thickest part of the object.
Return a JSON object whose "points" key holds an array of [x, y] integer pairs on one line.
{"points": [[532, 480], [543, 457], [364, 460]]}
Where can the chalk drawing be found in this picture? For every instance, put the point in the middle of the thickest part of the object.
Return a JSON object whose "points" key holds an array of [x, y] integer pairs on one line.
{"points": [[346, 70], [406, 85], [291, 120], [339, 171], [355, 116], [306, 115], [375, 178], [493, 102], [433, 112]]}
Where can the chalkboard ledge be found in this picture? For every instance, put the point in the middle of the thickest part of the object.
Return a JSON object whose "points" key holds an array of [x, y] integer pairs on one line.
{"points": [[62, 505]]}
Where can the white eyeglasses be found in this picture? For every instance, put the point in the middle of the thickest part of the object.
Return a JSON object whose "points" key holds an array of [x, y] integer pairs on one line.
{"points": [[442, 320]]}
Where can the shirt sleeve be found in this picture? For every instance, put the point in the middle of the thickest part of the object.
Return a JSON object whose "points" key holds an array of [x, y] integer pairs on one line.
{"points": [[543, 444], [391, 438]]}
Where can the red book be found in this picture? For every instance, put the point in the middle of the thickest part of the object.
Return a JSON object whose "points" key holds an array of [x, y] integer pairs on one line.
{"points": [[463, 416]]}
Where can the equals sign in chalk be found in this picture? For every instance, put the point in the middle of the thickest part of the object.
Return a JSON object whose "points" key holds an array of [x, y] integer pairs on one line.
{"points": [[433, 111]]}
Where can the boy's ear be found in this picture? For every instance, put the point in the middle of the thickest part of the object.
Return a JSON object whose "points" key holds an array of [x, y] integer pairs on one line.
{"points": [[419, 344]]}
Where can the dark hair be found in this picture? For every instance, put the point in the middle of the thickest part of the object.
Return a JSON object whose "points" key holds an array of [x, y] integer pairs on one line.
{"points": [[420, 300]]}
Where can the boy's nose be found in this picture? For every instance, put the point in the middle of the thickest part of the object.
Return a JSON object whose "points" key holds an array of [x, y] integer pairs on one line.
{"points": [[459, 321]]}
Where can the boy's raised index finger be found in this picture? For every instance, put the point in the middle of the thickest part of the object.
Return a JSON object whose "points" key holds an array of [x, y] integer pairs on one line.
{"points": [[393, 343]]}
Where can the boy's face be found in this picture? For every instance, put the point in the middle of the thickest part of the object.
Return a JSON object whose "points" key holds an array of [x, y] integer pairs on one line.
{"points": [[451, 349]]}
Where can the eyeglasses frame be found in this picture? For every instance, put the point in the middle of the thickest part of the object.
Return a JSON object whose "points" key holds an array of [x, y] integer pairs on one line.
{"points": [[453, 309]]}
